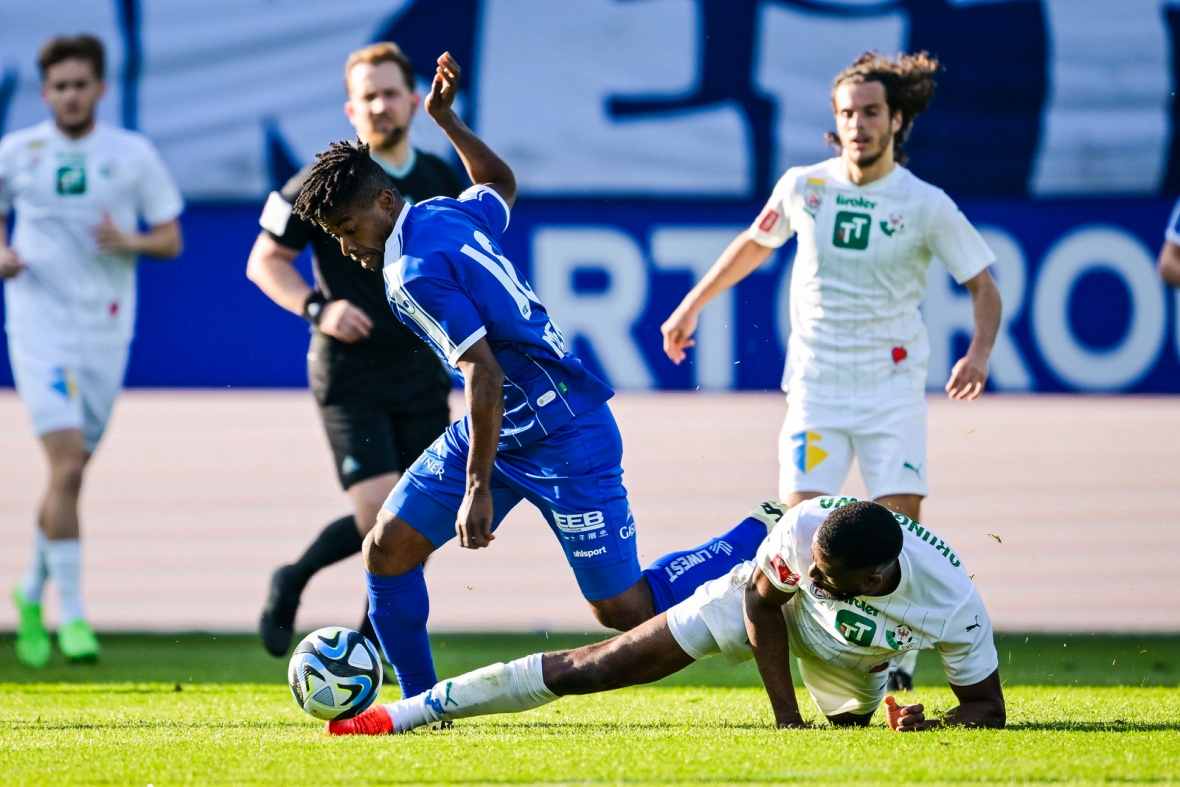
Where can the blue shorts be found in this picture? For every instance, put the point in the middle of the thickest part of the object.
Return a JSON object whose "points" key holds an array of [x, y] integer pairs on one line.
{"points": [[573, 475]]}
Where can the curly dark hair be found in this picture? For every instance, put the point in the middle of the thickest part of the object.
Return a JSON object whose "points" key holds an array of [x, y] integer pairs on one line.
{"points": [[860, 535], [909, 86], [343, 175]]}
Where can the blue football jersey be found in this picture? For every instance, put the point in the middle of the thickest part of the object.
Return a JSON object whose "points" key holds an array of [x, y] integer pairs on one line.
{"points": [[447, 279]]}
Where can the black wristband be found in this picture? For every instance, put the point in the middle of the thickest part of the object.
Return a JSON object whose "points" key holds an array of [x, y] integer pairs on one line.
{"points": [[313, 307]]}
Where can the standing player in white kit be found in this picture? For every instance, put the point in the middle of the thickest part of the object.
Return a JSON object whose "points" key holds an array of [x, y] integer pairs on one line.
{"points": [[79, 189], [856, 361]]}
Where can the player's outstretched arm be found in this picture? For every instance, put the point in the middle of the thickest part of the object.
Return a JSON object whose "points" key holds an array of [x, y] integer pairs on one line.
{"points": [[162, 241], [741, 258], [483, 165], [484, 391], [768, 639], [1169, 264], [970, 372]]}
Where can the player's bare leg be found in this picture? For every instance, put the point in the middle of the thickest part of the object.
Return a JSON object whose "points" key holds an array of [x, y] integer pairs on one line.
{"points": [[642, 655], [58, 520], [628, 609], [906, 505]]}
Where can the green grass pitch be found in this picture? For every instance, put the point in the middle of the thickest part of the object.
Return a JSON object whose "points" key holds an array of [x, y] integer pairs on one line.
{"points": [[198, 709]]}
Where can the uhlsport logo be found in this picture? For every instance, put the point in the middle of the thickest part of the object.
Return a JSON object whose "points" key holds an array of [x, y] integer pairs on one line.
{"points": [[852, 230], [589, 552], [807, 453], [855, 628]]}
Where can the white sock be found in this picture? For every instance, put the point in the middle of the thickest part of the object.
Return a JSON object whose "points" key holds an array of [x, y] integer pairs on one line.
{"points": [[500, 688], [65, 569], [909, 661], [32, 585]]}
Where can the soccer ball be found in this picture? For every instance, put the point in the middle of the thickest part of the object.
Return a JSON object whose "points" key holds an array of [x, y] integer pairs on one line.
{"points": [[335, 673]]}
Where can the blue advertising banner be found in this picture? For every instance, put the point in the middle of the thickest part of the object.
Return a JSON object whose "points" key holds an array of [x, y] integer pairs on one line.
{"points": [[1083, 307]]}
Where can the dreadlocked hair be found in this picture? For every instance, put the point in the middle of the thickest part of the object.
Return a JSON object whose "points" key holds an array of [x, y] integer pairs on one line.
{"points": [[909, 85], [343, 175]]}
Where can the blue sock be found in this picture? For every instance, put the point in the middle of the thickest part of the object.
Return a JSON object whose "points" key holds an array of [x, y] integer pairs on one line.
{"points": [[398, 608], [676, 576]]}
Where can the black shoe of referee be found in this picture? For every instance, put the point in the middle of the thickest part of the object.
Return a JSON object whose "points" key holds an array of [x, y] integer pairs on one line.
{"points": [[899, 680], [277, 625]]}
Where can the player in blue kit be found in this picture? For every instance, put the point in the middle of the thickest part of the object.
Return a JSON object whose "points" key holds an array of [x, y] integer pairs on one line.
{"points": [[538, 427]]}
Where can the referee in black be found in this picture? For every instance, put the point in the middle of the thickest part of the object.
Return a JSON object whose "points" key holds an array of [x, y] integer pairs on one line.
{"points": [[382, 393]]}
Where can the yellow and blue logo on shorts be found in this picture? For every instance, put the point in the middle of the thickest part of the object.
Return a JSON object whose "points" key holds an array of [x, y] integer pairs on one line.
{"points": [[63, 383], [807, 453]]}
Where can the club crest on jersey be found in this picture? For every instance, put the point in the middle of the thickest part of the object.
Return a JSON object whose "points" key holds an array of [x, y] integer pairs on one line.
{"points": [[813, 194], [785, 574], [894, 225], [901, 638]]}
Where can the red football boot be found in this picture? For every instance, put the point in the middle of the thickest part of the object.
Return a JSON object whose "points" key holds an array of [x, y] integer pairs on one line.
{"points": [[375, 721]]}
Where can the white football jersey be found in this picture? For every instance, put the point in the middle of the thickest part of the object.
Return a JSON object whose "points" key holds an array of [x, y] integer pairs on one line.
{"points": [[71, 293], [860, 274], [934, 606]]}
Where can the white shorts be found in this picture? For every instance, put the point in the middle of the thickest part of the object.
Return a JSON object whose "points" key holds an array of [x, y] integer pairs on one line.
{"points": [[68, 389], [887, 434], [712, 621]]}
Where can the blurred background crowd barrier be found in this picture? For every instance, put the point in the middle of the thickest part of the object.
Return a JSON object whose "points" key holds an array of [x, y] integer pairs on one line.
{"points": [[645, 134]]}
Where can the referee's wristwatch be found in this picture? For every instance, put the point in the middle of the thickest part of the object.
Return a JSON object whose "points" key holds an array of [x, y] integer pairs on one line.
{"points": [[313, 307]]}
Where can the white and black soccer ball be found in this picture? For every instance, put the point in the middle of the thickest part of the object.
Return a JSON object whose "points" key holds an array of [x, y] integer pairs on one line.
{"points": [[335, 673]]}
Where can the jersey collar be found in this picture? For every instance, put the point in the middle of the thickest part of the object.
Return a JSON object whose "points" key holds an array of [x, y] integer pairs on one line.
{"points": [[393, 244]]}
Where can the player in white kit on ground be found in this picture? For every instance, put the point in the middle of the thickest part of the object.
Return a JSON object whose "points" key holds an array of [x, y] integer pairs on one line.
{"points": [[867, 229], [846, 587], [79, 189]]}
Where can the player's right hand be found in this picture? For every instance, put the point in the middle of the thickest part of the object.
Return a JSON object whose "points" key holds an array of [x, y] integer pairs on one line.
{"points": [[341, 320], [678, 330], [907, 718], [444, 87], [473, 524], [10, 264]]}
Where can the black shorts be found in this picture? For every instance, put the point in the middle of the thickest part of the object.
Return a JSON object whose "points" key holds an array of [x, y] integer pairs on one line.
{"points": [[376, 423]]}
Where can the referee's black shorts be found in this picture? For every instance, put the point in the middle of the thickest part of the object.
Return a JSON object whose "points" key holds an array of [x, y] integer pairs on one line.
{"points": [[378, 418]]}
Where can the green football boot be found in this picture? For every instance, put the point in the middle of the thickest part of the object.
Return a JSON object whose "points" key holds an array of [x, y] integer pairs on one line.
{"points": [[77, 641], [32, 640]]}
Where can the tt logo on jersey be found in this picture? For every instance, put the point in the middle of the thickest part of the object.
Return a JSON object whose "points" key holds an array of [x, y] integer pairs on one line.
{"points": [[852, 230], [855, 628]]}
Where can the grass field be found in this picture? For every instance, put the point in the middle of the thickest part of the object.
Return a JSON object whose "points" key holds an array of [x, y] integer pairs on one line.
{"points": [[191, 709]]}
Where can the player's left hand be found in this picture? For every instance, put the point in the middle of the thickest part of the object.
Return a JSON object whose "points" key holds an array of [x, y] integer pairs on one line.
{"points": [[967, 378], [907, 718], [112, 239], [444, 87], [473, 524]]}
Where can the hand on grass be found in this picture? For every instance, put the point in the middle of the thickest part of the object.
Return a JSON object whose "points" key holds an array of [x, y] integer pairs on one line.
{"points": [[907, 718]]}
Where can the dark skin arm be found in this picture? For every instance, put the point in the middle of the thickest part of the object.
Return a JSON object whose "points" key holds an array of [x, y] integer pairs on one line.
{"points": [[1169, 264], [768, 638], [483, 166], [484, 391]]}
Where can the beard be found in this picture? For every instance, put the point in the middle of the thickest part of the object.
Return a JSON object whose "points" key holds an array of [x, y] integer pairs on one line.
{"points": [[385, 140], [79, 125], [868, 160]]}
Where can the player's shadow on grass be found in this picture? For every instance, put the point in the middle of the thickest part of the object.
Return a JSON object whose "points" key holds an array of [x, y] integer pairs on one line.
{"points": [[1092, 726]]}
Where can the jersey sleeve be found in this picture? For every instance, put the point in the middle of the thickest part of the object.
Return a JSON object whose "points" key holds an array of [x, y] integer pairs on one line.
{"points": [[968, 649], [157, 195], [776, 557], [954, 241], [772, 228], [1171, 234], [443, 312], [488, 207]]}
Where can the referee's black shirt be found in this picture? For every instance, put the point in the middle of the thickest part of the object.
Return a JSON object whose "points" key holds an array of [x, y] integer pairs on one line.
{"points": [[340, 278]]}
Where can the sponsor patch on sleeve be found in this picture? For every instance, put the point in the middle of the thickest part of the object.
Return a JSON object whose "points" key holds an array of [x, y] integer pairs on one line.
{"points": [[768, 220], [275, 214], [785, 574]]}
